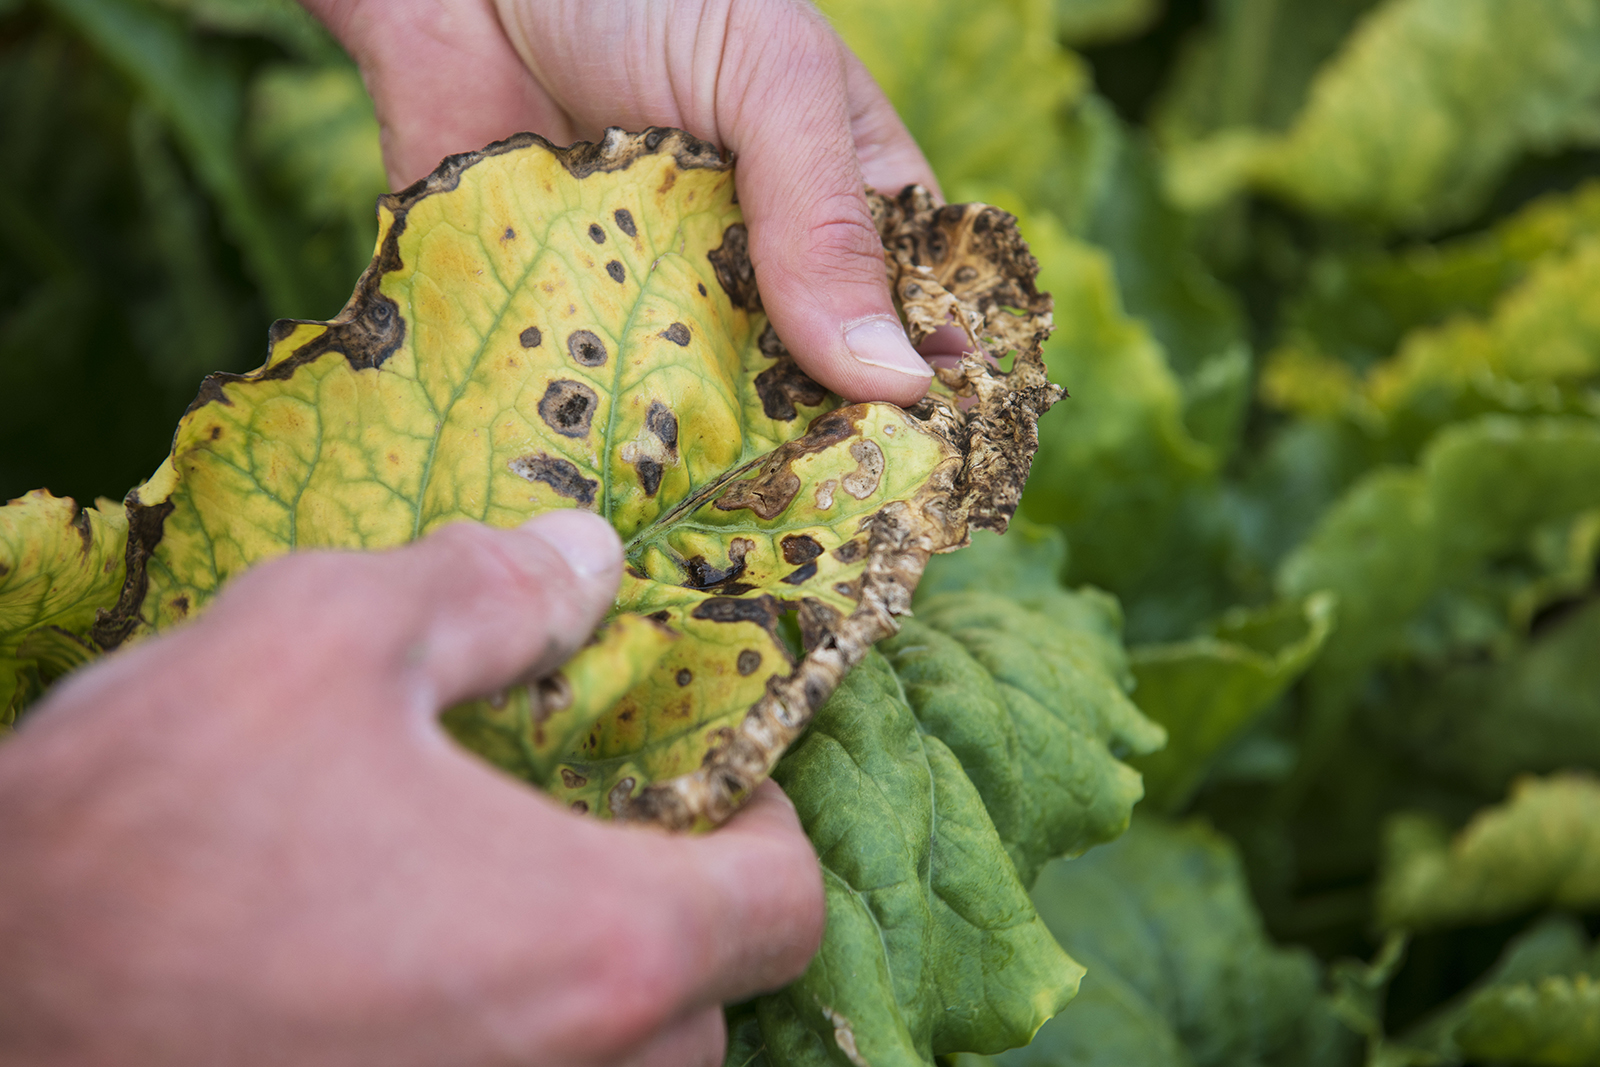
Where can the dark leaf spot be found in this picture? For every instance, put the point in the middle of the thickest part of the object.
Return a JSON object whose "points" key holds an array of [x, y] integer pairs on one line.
{"points": [[586, 348], [749, 660], [652, 140], [701, 286], [531, 337], [614, 268], [784, 385], [736, 275], [624, 219], [800, 548], [572, 779], [568, 407], [596, 234], [660, 421], [850, 551], [801, 574], [762, 612], [179, 606], [662, 616], [677, 333], [216, 432], [509, 235], [581, 807], [685, 676], [559, 474], [649, 475]]}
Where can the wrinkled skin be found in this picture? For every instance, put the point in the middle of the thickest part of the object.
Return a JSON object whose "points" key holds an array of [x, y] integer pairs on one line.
{"points": [[248, 841], [768, 80]]}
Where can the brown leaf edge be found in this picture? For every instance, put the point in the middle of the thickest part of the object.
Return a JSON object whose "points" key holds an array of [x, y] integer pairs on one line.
{"points": [[965, 263]]}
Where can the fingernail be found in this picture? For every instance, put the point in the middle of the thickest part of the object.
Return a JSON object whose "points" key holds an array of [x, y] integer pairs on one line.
{"points": [[882, 343], [585, 540]]}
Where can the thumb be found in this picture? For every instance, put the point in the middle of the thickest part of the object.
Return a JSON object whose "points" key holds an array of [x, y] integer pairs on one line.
{"points": [[817, 255]]}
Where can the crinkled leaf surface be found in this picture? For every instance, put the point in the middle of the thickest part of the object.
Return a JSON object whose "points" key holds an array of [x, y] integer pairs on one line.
{"points": [[1424, 108], [59, 566], [1180, 972], [974, 745], [546, 328], [1541, 847], [1207, 690]]}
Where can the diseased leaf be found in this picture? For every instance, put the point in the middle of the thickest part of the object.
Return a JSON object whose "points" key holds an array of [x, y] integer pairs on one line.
{"points": [[1180, 972], [1540, 848], [59, 565], [1423, 109], [548, 328], [1207, 690]]}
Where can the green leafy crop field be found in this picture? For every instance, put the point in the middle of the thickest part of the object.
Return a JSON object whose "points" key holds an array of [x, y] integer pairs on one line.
{"points": [[1281, 695]]}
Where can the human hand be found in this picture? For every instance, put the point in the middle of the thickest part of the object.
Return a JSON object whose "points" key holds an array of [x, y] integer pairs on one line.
{"points": [[249, 840], [766, 79]]}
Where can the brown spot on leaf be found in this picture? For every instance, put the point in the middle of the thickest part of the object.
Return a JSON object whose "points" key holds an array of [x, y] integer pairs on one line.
{"points": [[685, 676], [649, 474], [763, 611], [586, 348], [863, 481], [668, 182], [703, 575], [801, 574], [660, 421], [784, 385], [596, 233], [800, 548], [568, 407], [617, 272], [701, 286], [581, 807], [509, 235], [530, 337], [736, 275], [559, 474], [216, 432], [624, 219], [767, 494], [677, 333], [573, 780], [179, 606]]}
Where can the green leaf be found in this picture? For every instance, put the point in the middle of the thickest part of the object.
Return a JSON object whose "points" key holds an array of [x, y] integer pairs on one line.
{"points": [[1180, 970], [1402, 539], [990, 96], [59, 566], [1089, 22], [1206, 691], [1357, 305], [283, 21], [1030, 696], [1027, 561], [547, 328], [1537, 350], [1552, 1023], [1483, 723], [932, 946], [1540, 848], [1421, 112], [1117, 457], [201, 97]]}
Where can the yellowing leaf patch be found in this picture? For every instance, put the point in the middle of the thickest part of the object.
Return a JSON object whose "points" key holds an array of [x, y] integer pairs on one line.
{"points": [[549, 328]]}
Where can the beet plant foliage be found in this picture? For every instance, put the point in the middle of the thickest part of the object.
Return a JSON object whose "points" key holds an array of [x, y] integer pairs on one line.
{"points": [[1289, 647]]}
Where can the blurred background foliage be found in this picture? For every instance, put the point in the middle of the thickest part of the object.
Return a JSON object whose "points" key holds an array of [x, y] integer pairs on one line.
{"points": [[1325, 276]]}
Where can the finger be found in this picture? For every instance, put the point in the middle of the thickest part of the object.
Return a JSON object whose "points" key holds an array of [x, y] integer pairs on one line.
{"points": [[698, 1041], [443, 78], [890, 158], [783, 107], [461, 613], [762, 895]]}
